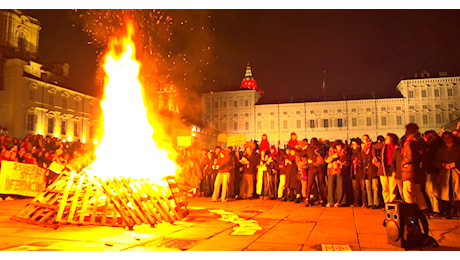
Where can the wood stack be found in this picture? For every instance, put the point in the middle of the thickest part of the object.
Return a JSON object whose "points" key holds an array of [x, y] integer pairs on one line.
{"points": [[84, 200]]}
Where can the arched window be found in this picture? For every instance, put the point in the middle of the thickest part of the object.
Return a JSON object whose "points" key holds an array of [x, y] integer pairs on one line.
{"points": [[22, 42]]}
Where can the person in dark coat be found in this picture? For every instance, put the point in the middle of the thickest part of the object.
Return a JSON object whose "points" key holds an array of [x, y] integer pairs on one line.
{"points": [[412, 174], [370, 173], [448, 161], [293, 184], [358, 177], [224, 162], [396, 168], [250, 161], [315, 173], [432, 143]]}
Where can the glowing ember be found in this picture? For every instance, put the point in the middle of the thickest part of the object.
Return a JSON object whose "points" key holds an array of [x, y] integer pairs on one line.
{"points": [[127, 147]]}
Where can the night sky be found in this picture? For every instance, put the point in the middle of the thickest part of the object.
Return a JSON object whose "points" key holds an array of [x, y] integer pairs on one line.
{"points": [[361, 51]]}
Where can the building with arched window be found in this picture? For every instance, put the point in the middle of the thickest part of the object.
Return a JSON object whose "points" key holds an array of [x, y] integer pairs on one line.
{"points": [[35, 100]]}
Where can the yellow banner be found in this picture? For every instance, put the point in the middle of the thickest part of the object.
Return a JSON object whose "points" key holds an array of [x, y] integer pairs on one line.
{"points": [[185, 141], [236, 140], [21, 179]]}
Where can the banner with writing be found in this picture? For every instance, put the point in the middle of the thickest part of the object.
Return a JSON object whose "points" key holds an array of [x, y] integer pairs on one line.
{"points": [[236, 140], [184, 141], [21, 179]]}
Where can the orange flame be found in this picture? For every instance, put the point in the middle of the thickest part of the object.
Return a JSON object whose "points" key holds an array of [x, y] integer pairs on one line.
{"points": [[127, 147]]}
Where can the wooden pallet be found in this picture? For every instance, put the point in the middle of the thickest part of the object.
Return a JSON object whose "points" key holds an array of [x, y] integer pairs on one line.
{"points": [[83, 200]]}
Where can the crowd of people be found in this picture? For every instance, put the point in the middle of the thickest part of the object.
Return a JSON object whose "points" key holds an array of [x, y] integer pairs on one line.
{"points": [[414, 168], [420, 168]]}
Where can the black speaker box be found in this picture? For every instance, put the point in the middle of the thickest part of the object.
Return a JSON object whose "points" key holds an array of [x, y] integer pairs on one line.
{"points": [[399, 214]]}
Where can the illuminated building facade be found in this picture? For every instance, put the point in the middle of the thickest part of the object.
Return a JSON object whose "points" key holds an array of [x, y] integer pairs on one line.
{"points": [[432, 103], [35, 100]]}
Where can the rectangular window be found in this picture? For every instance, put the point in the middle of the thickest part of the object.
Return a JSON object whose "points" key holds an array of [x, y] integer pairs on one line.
{"points": [[259, 114], [339, 122], [312, 123], [410, 94], [438, 119], [325, 123], [224, 104], [383, 109], [412, 118], [50, 125], [353, 110], [259, 125], [235, 115], [325, 111], [246, 103], [246, 126], [425, 107], [451, 106], [450, 92], [235, 103], [384, 121], [412, 107], [235, 126], [339, 110], [224, 126], [368, 121], [246, 114], [299, 124], [216, 125], [437, 93], [368, 109], [437, 106], [424, 93], [285, 113], [91, 131], [272, 113], [425, 119], [216, 104], [272, 125], [354, 122], [312, 111], [399, 120], [31, 122], [76, 129], [398, 108], [63, 127], [285, 124], [52, 100], [32, 94], [208, 105], [297, 112]]}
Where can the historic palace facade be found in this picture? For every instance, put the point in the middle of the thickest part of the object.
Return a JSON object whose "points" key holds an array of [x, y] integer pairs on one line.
{"points": [[35, 100], [432, 103]]}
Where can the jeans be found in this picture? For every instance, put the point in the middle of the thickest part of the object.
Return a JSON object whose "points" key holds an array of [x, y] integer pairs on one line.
{"points": [[372, 187], [247, 186], [359, 192], [412, 193], [221, 179], [388, 188], [335, 189], [431, 188]]}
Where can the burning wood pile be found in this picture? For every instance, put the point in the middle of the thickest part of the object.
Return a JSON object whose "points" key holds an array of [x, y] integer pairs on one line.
{"points": [[88, 200], [100, 195]]}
